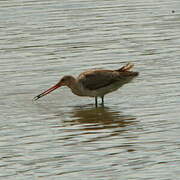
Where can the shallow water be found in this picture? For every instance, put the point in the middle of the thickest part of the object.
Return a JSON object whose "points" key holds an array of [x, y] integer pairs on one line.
{"points": [[62, 136]]}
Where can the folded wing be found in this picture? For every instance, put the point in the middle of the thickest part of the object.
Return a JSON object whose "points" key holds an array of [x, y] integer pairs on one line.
{"points": [[95, 79]]}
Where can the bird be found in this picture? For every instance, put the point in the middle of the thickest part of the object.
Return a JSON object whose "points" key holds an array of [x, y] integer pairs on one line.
{"points": [[95, 82]]}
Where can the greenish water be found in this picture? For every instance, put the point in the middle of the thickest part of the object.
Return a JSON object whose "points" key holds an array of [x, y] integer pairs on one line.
{"points": [[63, 136]]}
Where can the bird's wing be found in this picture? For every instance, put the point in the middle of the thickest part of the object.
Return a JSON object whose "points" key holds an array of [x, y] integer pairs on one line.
{"points": [[95, 79]]}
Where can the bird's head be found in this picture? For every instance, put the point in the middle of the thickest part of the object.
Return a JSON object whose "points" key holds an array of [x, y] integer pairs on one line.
{"points": [[64, 81]]}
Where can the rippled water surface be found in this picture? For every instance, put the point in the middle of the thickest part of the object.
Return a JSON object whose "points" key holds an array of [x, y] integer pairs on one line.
{"points": [[62, 136]]}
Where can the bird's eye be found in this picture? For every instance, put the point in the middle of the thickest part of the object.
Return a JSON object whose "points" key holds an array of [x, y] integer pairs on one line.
{"points": [[63, 80]]}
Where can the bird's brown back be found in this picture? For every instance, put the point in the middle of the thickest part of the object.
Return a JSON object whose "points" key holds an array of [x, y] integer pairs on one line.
{"points": [[99, 78]]}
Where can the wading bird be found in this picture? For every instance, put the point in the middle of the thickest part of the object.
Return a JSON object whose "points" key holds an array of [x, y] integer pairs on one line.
{"points": [[95, 83]]}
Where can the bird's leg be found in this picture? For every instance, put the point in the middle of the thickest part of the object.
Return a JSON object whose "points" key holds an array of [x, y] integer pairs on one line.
{"points": [[96, 101], [102, 100]]}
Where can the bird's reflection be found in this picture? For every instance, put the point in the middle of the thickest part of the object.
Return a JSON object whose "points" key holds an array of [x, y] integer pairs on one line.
{"points": [[95, 125], [89, 117], [99, 118]]}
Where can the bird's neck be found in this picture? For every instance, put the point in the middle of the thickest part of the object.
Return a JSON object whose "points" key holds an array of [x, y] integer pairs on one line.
{"points": [[75, 86]]}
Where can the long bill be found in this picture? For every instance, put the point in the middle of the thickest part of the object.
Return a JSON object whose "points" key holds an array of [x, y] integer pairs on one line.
{"points": [[47, 92]]}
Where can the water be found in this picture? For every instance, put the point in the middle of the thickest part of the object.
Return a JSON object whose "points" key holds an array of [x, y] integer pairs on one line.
{"points": [[62, 136]]}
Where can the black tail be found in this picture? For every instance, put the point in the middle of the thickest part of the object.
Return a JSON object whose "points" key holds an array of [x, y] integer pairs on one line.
{"points": [[126, 69]]}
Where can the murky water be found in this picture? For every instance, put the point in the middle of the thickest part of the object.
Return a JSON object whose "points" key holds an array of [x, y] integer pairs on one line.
{"points": [[62, 136]]}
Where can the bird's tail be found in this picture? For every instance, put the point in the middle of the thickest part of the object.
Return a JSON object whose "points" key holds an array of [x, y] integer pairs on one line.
{"points": [[127, 67]]}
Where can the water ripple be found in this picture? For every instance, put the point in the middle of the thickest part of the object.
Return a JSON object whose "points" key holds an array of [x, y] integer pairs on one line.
{"points": [[136, 135]]}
